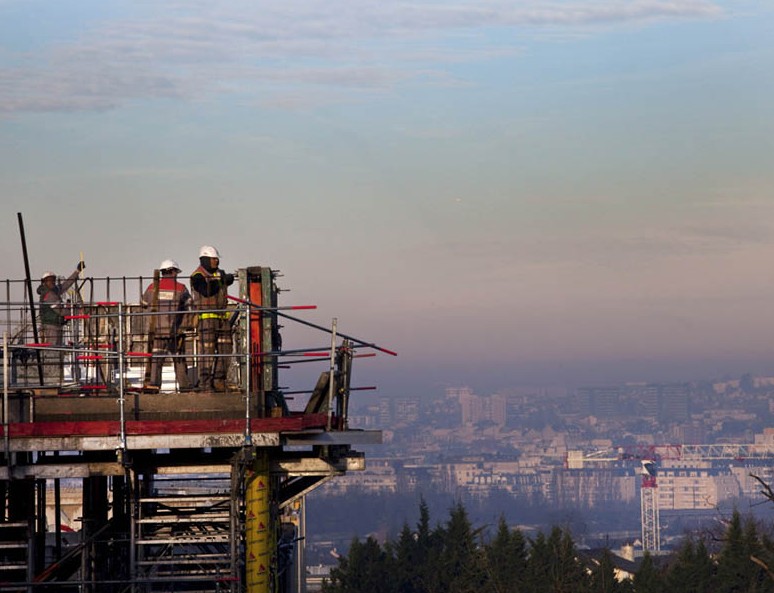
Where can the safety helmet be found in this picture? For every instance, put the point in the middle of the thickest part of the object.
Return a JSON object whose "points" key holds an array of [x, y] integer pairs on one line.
{"points": [[47, 274], [208, 251], [169, 264]]}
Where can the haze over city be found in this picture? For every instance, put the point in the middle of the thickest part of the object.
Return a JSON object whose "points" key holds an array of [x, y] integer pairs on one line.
{"points": [[540, 193]]}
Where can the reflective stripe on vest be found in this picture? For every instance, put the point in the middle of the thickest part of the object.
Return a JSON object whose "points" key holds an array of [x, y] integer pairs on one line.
{"points": [[213, 315]]}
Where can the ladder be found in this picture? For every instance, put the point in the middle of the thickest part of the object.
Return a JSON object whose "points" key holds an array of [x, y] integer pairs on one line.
{"points": [[183, 536], [14, 555]]}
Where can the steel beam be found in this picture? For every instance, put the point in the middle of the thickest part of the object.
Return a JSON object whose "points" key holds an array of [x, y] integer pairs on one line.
{"points": [[138, 442]]}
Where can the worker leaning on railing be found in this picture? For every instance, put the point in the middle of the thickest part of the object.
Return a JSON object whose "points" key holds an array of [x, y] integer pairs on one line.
{"points": [[209, 286]]}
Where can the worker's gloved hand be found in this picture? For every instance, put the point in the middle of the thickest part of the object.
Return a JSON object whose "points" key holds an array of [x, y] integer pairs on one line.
{"points": [[228, 278], [81, 265]]}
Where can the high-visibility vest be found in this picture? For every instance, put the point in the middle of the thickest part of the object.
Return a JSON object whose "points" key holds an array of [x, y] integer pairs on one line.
{"points": [[216, 301]]}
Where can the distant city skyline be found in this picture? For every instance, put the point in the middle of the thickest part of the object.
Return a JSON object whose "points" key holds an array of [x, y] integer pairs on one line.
{"points": [[580, 453], [544, 194]]}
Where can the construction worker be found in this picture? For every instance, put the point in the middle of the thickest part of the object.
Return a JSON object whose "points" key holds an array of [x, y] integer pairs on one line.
{"points": [[210, 288], [164, 330], [52, 318]]}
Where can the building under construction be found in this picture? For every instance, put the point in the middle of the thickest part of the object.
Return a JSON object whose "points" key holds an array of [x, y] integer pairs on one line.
{"points": [[180, 491]]}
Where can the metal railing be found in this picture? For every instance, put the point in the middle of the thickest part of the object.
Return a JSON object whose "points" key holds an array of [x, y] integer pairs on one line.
{"points": [[105, 347]]}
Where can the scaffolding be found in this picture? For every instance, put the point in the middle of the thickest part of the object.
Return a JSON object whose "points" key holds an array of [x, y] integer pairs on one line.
{"points": [[195, 491]]}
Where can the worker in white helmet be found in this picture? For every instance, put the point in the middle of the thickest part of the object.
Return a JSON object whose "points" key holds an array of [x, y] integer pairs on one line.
{"points": [[52, 318], [209, 285], [166, 335]]}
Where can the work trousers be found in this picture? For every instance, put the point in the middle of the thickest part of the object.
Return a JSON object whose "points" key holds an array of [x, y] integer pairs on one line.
{"points": [[53, 360], [214, 338], [163, 347]]}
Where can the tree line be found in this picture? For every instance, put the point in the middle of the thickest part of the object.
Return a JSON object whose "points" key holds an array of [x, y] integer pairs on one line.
{"points": [[453, 557]]}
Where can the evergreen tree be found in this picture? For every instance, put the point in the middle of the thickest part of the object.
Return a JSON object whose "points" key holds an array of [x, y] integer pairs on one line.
{"points": [[757, 577], [459, 563], [648, 579], [423, 527], [737, 572], [553, 565], [765, 559], [692, 569], [602, 579], [365, 568], [407, 562], [704, 568], [505, 560], [538, 565], [569, 574], [427, 551]]}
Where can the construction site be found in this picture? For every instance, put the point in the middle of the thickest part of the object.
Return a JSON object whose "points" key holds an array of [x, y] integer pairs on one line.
{"points": [[109, 483]]}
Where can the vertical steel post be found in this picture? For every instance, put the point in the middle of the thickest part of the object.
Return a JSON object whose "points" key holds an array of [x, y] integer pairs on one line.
{"points": [[134, 522], [235, 528], [30, 295], [121, 398], [345, 378], [40, 524], [332, 375], [57, 516], [6, 420], [248, 373], [301, 543], [8, 306]]}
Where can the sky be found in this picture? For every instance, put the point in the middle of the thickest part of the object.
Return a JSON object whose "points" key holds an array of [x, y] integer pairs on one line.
{"points": [[532, 193]]}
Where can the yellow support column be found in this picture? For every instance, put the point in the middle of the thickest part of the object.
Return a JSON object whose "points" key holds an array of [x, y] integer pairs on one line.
{"points": [[258, 532]]}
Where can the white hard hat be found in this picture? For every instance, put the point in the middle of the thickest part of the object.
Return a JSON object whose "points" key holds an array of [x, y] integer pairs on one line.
{"points": [[208, 251], [47, 274], [169, 264]]}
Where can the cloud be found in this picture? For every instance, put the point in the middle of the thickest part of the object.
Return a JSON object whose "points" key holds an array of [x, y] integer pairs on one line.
{"points": [[80, 86], [499, 255], [194, 49]]}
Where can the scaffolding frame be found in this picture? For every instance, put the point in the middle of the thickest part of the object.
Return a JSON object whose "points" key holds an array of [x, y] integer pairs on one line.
{"points": [[163, 475]]}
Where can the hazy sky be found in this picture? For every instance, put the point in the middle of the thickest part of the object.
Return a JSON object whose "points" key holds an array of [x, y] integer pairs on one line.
{"points": [[503, 192]]}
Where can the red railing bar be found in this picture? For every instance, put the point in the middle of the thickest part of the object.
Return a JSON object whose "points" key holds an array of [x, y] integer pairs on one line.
{"points": [[262, 308]]}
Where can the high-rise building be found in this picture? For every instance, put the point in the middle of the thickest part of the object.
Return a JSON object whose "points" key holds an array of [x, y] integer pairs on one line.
{"points": [[476, 409], [498, 409], [675, 402], [385, 411], [650, 401], [405, 410], [602, 402]]}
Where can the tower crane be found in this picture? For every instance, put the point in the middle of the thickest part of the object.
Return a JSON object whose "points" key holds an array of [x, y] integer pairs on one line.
{"points": [[649, 458], [649, 512]]}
